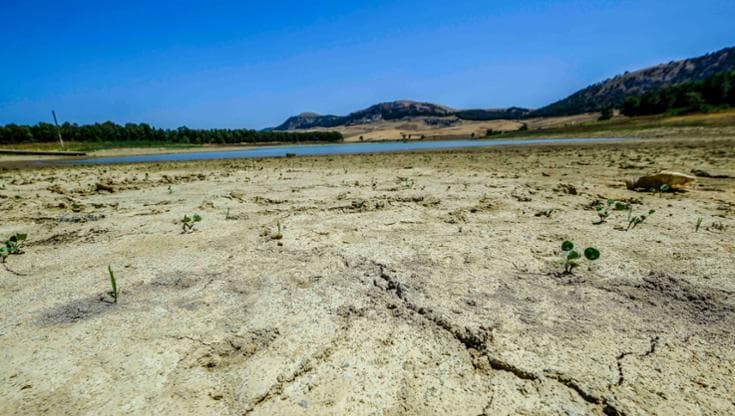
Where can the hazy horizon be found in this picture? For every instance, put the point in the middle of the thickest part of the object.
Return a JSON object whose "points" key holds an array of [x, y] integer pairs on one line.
{"points": [[251, 66]]}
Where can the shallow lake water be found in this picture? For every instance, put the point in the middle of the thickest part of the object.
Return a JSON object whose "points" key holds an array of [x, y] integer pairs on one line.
{"points": [[332, 149]]}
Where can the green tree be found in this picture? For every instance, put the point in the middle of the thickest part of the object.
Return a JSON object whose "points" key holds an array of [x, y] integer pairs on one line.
{"points": [[606, 113]]}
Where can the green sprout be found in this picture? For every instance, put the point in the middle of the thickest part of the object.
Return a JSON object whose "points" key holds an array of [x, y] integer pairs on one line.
{"points": [[572, 256], [187, 224], [12, 246], [603, 211], [638, 219], [407, 183], [699, 224], [113, 293], [661, 189]]}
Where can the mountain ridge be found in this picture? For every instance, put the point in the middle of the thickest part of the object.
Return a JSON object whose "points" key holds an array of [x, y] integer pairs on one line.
{"points": [[394, 110], [610, 92]]}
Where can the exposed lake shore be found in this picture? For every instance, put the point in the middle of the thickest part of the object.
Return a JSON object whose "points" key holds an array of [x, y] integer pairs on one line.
{"points": [[406, 283]]}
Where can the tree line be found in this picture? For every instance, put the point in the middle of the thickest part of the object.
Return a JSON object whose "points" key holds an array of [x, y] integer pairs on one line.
{"points": [[716, 91], [132, 132]]}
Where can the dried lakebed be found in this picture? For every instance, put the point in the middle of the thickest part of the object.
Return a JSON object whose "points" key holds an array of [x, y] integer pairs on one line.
{"points": [[402, 284]]}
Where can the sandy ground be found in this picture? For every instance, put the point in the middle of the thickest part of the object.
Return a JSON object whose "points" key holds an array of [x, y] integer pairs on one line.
{"points": [[401, 284]]}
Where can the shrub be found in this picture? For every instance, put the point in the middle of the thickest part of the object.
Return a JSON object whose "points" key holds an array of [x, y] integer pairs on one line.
{"points": [[606, 113]]}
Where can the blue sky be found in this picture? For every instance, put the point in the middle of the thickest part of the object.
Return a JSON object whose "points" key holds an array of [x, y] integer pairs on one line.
{"points": [[252, 64]]}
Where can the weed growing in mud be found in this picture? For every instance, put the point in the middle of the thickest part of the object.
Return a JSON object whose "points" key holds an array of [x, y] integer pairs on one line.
{"points": [[572, 256], [638, 219], [699, 224], [113, 293], [187, 224], [603, 211], [407, 183], [661, 189], [12, 246]]}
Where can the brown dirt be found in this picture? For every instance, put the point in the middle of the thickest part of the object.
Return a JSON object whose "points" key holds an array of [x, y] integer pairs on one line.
{"points": [[402, 284]]}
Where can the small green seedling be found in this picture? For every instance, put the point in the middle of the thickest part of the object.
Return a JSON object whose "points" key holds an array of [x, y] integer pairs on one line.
{"points": [[603, 211], [407, 183], [638, 219], [572, 256], [661, 189], [699, 224], [187, 224], [12, 246], [113, 293]]}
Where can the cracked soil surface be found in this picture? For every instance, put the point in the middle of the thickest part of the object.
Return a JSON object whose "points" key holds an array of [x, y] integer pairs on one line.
{"points": [[398, 284]]}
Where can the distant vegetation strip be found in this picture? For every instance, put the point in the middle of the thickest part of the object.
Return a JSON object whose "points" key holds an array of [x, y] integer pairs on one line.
{"points": [[512, 113], [711, 93], [132, 133]]}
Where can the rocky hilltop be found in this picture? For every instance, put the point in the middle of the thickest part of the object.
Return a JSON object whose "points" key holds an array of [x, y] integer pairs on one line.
{"points": [[608, 93], [396, 110], [612, 91]]}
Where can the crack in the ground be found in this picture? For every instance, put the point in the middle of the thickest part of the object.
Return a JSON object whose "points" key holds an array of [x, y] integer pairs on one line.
{"points": [[621, 375], [486, 409], [11, 271], [654, 344], [183, 337], [619, 359], [476, 344], [304, 368]]}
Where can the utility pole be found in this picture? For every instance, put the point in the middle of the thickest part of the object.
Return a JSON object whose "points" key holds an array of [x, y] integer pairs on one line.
{"points": [[58, 130]]}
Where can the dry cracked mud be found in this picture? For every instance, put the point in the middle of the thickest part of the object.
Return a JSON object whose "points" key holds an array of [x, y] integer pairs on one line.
{"points": [[398, 284]]}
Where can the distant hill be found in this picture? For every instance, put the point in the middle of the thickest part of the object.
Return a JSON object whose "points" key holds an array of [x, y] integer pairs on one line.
{"points": [[395, 110], [309, 120], [612, 92], [608, 93]]}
